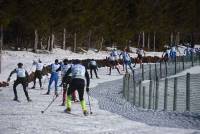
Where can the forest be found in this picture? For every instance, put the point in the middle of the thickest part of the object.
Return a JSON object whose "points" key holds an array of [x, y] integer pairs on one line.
{"points": [[45, 24]]}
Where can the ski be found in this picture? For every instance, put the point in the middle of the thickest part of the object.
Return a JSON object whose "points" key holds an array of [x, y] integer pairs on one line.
{"points": [[72, 113], [17, 101]]}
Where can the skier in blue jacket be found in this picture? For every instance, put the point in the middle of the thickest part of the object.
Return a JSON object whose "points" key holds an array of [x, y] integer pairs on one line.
{"points": [[54, 77]]}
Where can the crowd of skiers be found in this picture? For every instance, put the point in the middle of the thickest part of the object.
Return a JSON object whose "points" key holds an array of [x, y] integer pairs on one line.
{"points": [[115, 57], [73, 77], [171, 52]]}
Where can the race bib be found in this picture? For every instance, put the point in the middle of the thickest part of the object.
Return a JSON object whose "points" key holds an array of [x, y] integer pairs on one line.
{"points": [[20, 72]]}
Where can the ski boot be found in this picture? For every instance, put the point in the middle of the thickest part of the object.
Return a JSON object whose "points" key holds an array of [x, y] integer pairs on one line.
{"points": [[67, 110], [85, 112]]}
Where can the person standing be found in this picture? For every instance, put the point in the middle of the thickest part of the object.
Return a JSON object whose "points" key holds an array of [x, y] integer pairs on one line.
{"points": [[187, 51], [166, 55], [38, 72], [113, 60], [173, 53], [22, 78], [93, 67], [79, 74], [126, 60], [54, 77], [140, 52], [66, 80]]}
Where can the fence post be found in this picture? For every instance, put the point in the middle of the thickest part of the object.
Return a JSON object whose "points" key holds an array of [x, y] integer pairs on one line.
{"points": [[199, 58], [183, 60], [188, 92], [128, 94], [134, 88], [124, 86], [166, 69], [134, 92], [175, 94], [142, 71], [175, 70], [156, 74], [192, 59], [157, 93], [140, 94], [150, 93], [149, 71], [165, 94], [144, 97], [160, 69]]}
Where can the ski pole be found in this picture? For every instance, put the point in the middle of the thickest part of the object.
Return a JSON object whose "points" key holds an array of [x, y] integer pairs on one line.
{"points": [[30, 68], [89, 103], [54, 98]]}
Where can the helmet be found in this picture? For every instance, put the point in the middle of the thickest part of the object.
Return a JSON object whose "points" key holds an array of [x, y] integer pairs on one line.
{"points": [[76, 61], [19, 64], [39, 61], [65, 61], [56, 61]]}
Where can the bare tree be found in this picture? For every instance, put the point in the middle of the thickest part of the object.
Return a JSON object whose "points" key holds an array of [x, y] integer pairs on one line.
{"points": [[75, 42], [143, 39], [64, 39], [154, 41], [1, 47], [148, 41], [36, 41], [49, 43]]}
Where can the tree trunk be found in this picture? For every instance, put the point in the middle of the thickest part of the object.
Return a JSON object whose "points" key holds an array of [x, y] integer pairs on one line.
{"points": [[64, 39], [75, 42], [138, 40], [41, 44], [52, 41], [1, 47], [154, 41], [89, 39], [148, 41], [101, 43], [143, 39], [36, 41], [171, 39], [177, 38], [49, 42]]}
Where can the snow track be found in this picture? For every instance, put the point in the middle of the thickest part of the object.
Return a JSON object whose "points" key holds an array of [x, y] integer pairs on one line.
{"points": [[26, 118]]}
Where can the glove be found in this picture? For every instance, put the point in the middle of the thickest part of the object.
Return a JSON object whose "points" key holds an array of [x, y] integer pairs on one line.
{"points": [[87, 89], [8, 79]]}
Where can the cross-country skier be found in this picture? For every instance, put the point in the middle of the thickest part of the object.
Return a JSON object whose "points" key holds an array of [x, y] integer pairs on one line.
{"points": [[187, 51], [113, 61], [166, 55], [173, 53], [140, 52], [114, 53], [126, 60], [79, 73], [93, 66], [54, 76], [22, 78], [66, 80], [38, 72]]}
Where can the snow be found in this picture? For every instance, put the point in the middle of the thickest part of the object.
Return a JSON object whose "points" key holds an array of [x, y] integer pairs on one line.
{"points": [[26, 118]]}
